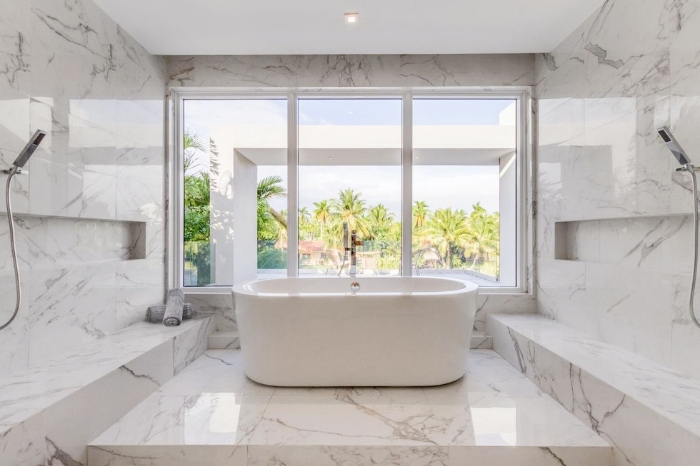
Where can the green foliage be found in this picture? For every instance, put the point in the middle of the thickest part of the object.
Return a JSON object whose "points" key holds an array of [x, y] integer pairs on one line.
{"points": [[271, 258], [270, 222], [198, 260]]}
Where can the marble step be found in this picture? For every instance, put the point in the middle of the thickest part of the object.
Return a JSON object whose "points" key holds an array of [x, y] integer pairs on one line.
{"points": [[648, 412], [49, 414], [211, 414], [224, 340]]}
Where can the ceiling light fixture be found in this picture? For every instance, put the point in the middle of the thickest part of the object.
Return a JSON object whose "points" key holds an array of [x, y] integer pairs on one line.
{"points": [[352, 18]]}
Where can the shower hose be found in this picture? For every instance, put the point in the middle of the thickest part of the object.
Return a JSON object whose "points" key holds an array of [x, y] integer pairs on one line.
{"points": [[13, 246], [691, 305]]}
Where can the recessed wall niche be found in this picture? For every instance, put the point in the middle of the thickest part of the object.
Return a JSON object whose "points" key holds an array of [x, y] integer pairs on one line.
{"points": [[641, 242], [49, 242]]}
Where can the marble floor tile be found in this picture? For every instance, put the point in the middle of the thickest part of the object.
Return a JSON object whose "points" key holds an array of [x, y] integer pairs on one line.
{"points": [[168, 455], [529, 456], [216, 371], [213, 403], [203, 419], [347, 455]]}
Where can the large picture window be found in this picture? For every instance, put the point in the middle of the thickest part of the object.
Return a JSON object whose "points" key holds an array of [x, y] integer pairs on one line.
{"points": [[431, 183]]}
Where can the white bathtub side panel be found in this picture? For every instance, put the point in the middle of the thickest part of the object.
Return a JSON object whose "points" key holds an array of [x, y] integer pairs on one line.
{"points": [[355, 340]]}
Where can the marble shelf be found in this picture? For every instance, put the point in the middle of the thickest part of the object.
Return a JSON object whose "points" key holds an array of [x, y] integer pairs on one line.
{"points": [[650, 414], [212, 414]]}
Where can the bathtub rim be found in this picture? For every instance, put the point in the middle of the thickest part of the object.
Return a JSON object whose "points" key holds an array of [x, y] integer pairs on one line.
{"points": [[465, 287]]}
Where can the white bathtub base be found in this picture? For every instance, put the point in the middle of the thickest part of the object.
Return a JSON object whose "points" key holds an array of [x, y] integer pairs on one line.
{"points": [[398, 332]]}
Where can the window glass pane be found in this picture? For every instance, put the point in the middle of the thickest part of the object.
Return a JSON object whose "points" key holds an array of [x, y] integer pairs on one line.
{"points": [[349, 171], [464, 189], [235, 156]]}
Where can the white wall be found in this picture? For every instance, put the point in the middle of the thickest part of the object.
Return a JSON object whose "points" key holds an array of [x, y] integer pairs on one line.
{"points": [[67, 68], [245, 218], [629, 69], [508, 208]]}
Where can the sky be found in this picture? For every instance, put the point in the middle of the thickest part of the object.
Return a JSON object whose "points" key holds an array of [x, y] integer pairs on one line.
{"points": [[438, 186]]}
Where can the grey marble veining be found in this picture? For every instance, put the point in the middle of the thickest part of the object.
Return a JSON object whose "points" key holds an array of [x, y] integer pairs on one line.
{"points": [[351, 71], [628, 69], [69, 69]]}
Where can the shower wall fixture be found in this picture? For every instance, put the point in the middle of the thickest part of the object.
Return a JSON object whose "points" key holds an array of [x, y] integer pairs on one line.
{"points": [[16, 168], [686, 166]]}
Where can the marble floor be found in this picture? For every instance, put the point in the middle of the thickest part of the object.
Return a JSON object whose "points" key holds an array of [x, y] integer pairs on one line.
{"points": [[211, 414]]}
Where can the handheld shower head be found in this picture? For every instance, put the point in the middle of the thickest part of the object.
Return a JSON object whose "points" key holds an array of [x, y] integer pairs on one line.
{"points": [[673, 146], [29, 149]]}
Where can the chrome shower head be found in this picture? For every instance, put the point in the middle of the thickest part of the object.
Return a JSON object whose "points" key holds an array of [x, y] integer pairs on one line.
{"points": [[673, 146], [29, 149]]}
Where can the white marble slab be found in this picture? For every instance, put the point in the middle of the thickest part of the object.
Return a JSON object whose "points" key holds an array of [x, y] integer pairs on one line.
{"points": [[55, 410], [212, 403], [70, 70], [628, 69], [649, 413]]}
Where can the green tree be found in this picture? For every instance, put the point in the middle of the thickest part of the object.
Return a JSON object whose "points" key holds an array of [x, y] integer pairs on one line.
{"points": [[269, 220], [322, 216], [197, 189], [379, 221], [349, 207], [447, 228], [307, 227], [483, 238], [420, 214]]}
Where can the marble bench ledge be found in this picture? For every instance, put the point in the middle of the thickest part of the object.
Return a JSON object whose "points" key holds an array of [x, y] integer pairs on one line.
{"points": [[649, 413], [91, 387]]}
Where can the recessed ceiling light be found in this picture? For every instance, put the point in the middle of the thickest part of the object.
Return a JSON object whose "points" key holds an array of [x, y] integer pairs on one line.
{"points": [[352, 18]]}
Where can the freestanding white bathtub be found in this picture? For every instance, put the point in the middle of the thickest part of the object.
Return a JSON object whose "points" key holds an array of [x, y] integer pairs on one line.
{"points": [[315, 332]]}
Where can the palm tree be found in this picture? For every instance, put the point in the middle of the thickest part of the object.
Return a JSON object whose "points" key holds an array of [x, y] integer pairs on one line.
{"points": [[447, 228], [349, 207], [483, 239], [306, 227], [322, 215], [304, 216], [197, 191], [269, 188], [379, 221], [420, 214], [191, 143]]}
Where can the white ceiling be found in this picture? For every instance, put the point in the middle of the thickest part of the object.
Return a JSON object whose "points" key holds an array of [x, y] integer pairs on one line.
{"points": [[284, 27]]}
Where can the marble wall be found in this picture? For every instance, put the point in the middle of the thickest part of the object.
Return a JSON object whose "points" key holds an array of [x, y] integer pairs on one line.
{"points": [[94, 192], [621, 270], [347, 71]]}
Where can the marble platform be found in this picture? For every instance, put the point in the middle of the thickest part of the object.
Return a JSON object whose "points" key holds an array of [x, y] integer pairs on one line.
{"points": [[48, 414], [650, 414], [211, 414]]}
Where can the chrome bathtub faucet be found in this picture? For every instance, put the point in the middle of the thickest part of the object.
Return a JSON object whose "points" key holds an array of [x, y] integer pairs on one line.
{"points": [[354, 242]]}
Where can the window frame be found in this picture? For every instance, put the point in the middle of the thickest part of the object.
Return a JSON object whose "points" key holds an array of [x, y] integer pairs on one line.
{"points": [[175, 175]]}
